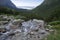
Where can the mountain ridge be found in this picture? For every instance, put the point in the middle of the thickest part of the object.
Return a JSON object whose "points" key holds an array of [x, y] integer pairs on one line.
{"points": [[7, 3], [48, 9]]}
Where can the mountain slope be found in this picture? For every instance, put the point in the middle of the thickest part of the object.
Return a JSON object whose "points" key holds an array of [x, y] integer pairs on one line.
{"points": [[7, 3], [48, 8]]}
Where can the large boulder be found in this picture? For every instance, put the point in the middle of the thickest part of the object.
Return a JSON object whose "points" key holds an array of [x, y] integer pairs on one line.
{"points": [[40, 23], [15, 24]]}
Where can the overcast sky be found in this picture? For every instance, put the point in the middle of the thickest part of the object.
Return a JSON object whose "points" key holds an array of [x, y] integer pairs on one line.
{"points": [[27, 4]]}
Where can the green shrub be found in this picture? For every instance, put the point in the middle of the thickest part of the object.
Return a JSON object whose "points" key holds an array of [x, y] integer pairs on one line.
{"points": [[57, 27], [54, 23]]}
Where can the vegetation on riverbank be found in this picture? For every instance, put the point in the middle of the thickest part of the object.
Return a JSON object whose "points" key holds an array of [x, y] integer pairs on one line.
{"points": [[56, 34]]}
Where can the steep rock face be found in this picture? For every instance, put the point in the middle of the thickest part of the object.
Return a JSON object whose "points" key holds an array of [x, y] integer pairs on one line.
{"points": [[7, 3]]}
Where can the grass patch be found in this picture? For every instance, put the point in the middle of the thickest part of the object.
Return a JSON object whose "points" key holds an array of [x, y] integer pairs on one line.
{"points": [[54, 23], [54, 35]]}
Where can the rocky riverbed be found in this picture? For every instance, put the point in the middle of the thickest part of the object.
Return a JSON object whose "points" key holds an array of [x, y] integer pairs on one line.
{"points": [[18, 29]]}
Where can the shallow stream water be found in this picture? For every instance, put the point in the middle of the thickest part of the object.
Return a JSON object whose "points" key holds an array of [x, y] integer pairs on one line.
{"points": [[27, 31]]}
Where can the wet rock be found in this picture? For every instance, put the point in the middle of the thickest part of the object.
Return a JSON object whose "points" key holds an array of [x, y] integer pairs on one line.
{"points": [[17, 22], [3, 22], [3, 30], [4, 17], [40, 23], [31, 33], [47, 29], [37, 30], [51, 30], [14, 24], [12, 34], [17, 31], [42, 31], [0, 33]]}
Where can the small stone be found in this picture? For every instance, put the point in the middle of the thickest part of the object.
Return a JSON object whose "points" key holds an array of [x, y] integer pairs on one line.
{"points": [[38, 36], [42, 31], [32, 33], [3, 22], [3, 30], [37, 30], [12, 34], [47, 29], [51, 30]]}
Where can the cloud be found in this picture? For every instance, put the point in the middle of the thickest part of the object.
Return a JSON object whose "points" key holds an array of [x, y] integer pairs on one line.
{"points": [[30, 3], [26, 7]]}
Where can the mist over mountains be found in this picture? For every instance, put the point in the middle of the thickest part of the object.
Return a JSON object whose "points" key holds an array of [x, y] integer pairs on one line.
{"points": [[26, 7]]}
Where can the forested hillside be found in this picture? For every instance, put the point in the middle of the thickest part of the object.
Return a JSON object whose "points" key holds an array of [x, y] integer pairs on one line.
{"points": [[49, 10]]}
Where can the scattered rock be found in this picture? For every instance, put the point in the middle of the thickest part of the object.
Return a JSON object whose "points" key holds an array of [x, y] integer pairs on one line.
{"points": [[51, 30], [12, 34], [3, 30], [47, 29], [32, 28], [3, 22], [43, 31], [31, 33]]}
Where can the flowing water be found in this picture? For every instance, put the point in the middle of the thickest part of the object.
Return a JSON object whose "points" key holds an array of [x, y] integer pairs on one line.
{"points": [[26, 31]]}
